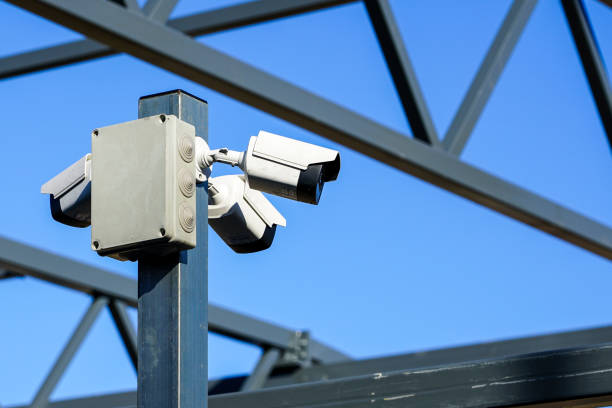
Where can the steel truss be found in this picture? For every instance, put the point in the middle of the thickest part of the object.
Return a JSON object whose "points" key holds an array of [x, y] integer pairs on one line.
{"points": [[575, 369]]}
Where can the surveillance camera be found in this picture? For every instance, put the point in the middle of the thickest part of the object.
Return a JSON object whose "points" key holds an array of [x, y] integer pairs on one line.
{"points": [[281, 166], [243, 218], [289, 168], [70, 193]]}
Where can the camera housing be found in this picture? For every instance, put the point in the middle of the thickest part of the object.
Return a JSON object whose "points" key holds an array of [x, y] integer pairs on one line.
{"points": [[289, 168], [70, 194], [244, 219]]}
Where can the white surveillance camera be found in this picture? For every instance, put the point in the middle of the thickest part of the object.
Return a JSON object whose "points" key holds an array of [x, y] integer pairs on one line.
{"points": [[289, 168], [281, 166], [243, 218], [70, 194]]}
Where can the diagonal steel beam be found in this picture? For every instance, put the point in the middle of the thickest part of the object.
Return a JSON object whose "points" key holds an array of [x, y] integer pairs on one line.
{"points": [[207, 22], [125, 329], [402, 72], [487, 76], [129, 4], [28, 261], [159, 10], [592, 61], [184, 56], [262, 370], [42, 396]]}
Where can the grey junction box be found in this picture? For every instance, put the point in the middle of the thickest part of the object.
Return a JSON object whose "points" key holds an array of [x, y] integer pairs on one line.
{"points": [[143, 187]]}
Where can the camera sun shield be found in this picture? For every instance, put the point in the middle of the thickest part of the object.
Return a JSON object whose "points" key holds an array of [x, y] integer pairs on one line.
{"points": [[244, 219], [69, 194]]}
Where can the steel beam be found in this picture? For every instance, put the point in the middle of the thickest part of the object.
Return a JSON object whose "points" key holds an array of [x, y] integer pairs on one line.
{"points": [[66, 272], [402, 72], [41, 398], [582, 373], [125, 329], [128, 400], [591, 59], [116, 400], [131, 5], [4, 274], [432, 362], [262, 370], [182, 55], [208, 22], [446, 356], [487, 76], [159, 10], [30, 261], [580, 377]]}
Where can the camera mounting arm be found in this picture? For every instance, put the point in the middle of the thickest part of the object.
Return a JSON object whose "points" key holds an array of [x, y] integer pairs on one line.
{"points": [[224, 155], [205, 157]]}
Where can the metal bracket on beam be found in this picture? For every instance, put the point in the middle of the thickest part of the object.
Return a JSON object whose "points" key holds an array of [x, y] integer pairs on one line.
{"points": [[298, 352]]}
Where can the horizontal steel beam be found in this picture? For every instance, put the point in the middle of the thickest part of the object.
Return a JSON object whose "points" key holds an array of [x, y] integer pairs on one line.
{"points": [[30, 261], [184, 56], [207, 22], [128, 400], [66, 272], [529, 379], [424, 359], [579, 378], [446, 356]]}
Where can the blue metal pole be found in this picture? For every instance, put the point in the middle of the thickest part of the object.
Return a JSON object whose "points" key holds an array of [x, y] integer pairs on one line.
{"points": [[173, 293]]}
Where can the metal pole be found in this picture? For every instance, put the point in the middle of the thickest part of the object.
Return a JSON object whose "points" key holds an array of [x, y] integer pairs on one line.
{"points": [[173, 294]]}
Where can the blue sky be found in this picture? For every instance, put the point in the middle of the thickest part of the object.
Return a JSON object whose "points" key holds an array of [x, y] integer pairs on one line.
{"points": [[385, 263]]}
